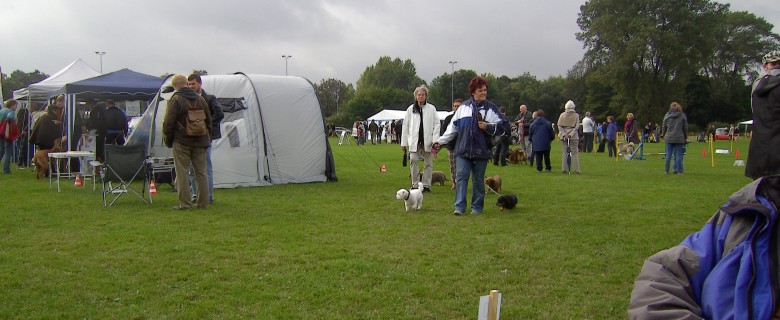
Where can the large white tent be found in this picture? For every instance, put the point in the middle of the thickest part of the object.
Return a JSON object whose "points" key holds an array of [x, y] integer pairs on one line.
{"points": [[273, 131], [76, 71]]}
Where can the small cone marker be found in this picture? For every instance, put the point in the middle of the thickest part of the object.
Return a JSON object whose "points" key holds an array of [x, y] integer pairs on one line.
{"points": [[383, 168], [152, 188], [736, 154], [704, 153], [78, 182]]}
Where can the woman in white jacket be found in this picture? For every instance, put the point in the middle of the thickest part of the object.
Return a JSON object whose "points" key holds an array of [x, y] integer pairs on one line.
{"points": [[420, 130]]}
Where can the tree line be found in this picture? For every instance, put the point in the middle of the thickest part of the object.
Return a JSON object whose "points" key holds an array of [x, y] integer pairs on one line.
{"points": [[640, 56]]}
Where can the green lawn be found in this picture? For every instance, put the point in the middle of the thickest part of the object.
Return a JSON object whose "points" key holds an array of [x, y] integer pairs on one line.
{"points": [[347, 250]]}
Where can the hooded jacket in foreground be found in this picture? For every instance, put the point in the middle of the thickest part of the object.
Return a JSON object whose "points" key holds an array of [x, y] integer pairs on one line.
{"points": [[763, 157], [728, 270], [472, 142], [675, 127], [175, 119]]}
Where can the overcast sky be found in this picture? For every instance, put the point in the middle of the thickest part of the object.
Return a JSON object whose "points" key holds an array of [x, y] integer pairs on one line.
{"points": [[326, 38]]}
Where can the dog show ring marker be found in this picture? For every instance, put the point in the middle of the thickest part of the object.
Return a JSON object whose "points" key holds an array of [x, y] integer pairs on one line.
{"points": [[152, 188], [78, 182], [383, 168]]}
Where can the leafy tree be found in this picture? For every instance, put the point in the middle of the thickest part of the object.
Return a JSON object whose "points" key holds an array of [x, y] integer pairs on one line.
{"points": [[19, 79], [200, 72], [333, 93], [646, 51], [441, 93]]}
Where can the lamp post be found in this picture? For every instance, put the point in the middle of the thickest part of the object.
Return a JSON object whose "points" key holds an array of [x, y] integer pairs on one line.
{"points": [[452, 82], [286, 57], [100, 54], [337, 102]]}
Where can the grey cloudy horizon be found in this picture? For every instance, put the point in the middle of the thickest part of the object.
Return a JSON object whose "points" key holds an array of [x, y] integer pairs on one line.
{"points": [[326, 38]]}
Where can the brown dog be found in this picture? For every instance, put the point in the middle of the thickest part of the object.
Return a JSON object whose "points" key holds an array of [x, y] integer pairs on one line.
{"points": [[518, 156], [438, 177], [41, 159], [494, 183]]}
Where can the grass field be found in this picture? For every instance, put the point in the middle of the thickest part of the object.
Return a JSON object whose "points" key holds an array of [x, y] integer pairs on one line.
{"points": [[347, 250]]}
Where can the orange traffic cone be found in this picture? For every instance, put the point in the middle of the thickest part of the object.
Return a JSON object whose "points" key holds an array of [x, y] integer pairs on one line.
{"points": [[704, 153], [736, 155], [78, 182], [383, 168], [152, 188]]}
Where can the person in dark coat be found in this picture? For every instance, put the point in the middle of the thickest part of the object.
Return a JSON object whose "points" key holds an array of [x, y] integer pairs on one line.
{"points": [[195, 83], [48, 127], [541, 137], [115, 123], [95, 125], [763, 158]]}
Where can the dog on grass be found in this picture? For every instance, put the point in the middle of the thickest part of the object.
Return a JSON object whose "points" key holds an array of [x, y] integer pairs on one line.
{"points": [[494, 183], [438, 177], [518, 156], [412, 198], [507, 201], [41, 160], [627, 149]]}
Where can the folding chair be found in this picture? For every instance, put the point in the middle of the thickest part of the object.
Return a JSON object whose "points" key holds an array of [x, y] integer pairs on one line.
{"points": [[123, 164]]}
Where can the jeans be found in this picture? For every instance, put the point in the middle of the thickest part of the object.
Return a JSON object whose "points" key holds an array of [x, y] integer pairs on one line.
{"points": [[676, 150], [209, 173], [6, 150], [476, 169]]}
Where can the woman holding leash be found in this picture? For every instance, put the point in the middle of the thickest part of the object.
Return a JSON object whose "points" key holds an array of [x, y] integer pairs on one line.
{"points": [[474, 124], [420, 131]]}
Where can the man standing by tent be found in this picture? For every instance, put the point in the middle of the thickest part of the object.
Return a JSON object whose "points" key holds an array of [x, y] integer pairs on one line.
{"points": [[420, 130], [187, 127], [194, 82], [373, 129], [763, 159]]}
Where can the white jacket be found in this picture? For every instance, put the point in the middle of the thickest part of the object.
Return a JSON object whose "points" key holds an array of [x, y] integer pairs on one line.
{"points": [[410, 133]]}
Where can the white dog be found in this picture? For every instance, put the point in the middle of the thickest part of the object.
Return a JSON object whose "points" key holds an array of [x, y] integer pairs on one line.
{"points": [[412, 198]]}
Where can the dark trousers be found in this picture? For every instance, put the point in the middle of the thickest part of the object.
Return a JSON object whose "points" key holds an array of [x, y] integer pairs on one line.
{"points": [[588, 139], [539, 155], [499, 153], [612, 148]]}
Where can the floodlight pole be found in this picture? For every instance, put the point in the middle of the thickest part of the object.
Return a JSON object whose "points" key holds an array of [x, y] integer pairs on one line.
{"points": [[452, 82], [286, 57], [100, 54]]}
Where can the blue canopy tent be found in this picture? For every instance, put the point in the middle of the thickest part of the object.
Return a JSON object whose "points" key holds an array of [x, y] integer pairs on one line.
{"points": [[119, 85]]}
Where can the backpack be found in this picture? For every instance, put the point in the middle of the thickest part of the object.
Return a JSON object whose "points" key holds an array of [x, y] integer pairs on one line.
{"points": [[195, 122], [8, 130]]}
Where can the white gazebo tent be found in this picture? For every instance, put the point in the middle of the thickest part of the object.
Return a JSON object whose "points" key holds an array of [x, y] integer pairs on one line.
{"points": [[76, 71]]}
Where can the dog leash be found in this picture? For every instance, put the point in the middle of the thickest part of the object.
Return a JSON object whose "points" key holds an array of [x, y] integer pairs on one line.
{"points": [[491, 189]]}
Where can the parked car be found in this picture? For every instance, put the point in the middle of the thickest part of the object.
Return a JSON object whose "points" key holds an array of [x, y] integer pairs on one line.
{"points": [[721, 134]]}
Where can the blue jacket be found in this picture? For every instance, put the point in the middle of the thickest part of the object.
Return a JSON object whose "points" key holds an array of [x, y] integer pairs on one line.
{"points": [[727, 270], [472, 142], [612, 131], [542, 134]]}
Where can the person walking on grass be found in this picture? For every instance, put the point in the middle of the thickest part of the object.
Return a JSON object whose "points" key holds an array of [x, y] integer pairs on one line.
{"points": [[475, 122], [420, 131]]}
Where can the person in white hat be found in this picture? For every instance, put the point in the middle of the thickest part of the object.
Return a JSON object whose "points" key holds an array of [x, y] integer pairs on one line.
{"points": [[763, 160]]}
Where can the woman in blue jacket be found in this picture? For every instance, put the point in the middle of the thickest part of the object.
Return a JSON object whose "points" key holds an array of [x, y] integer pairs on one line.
{"points": [[541, 136], [474, 124], [6, 146]]}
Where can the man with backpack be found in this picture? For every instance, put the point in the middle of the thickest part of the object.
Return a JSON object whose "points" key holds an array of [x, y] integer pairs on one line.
{"points": [[187, 129]]}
